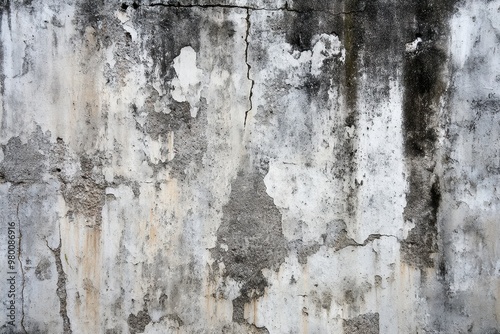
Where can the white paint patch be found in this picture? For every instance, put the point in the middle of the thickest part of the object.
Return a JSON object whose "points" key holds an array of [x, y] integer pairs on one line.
{"points": [[413, 46], [188, 81], [380, 168]]}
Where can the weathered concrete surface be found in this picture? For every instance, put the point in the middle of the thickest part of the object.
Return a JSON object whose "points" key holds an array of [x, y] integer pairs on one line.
{"points": [[251, 166]]}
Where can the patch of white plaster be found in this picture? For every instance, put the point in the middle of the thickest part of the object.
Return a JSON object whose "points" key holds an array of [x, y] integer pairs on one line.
{"points": [[188, 81]]}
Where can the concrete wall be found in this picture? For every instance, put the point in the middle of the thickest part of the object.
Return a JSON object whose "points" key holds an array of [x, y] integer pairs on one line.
{"points": [[250, 166]]}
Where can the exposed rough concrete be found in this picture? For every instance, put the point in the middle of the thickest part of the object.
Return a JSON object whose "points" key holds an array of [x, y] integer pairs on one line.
{"points": [[251, 166], [364, 323], [249, 239]]}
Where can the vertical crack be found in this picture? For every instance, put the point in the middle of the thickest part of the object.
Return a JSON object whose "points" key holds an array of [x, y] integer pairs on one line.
{"points": [[19, 240], [248, 67], [61, 287]]}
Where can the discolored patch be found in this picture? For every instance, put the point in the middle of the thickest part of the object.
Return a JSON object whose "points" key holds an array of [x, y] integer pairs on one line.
{"points": [[159, 123], [22, 163], [425, 85], [42, 270], [137, 323], [169, 30], [188, 136], [85, 194], [251, 230], [422, 208]]}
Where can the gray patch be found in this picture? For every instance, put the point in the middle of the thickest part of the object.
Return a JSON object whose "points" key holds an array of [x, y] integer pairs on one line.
{"points": [[244, 328], [303, 251], [120, 180], [163, 300], [190, 142], [22, 163], [7, 329], [159, 123], [114, 331], [491, 331], [423, 202], [86, 194], [321, 300], [424, 86], [336, 236], [169, 29], [367, 323], [42, 270], [326, 300], [251, 229], [89, 14], [173, 317], [85, 197], [137, 323]]}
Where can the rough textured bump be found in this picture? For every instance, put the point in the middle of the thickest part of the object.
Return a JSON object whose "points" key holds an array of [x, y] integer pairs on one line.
{"points": [[364, 323]]}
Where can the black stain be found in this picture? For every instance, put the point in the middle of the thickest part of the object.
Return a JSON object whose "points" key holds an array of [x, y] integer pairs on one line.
{"points": [[169, 30], [424, 87], [137, 323], [90, 13]]}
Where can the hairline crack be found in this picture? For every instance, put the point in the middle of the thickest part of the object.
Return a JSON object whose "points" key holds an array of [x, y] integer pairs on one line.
{"points": [[285, 8]]}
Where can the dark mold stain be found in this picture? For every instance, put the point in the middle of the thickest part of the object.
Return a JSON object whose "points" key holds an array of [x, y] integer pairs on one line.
{"points": [[90, 13], [303, 25], [251, 229], [137, 323], [353, 41], [106, 30], [424, 87], [314, 7], [301, 30], [367, 323], [169, 29], [422, 209]]}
